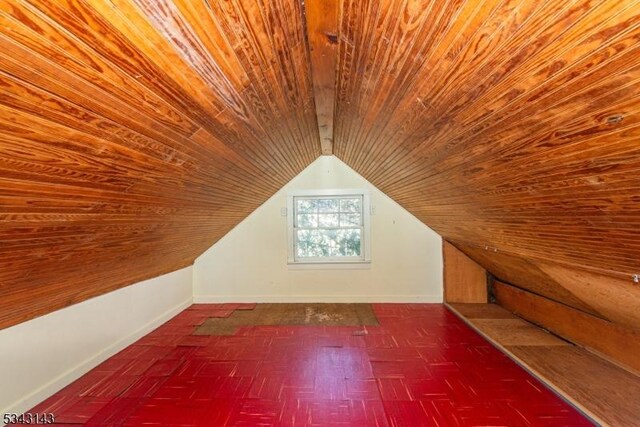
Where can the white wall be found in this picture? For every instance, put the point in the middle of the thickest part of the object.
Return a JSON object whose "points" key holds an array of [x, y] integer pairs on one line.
{"points": [[39, 357], [250, 262]]}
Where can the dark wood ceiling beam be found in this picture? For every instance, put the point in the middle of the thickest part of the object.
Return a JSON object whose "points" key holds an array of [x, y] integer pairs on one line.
{"points": [[322, 35]]}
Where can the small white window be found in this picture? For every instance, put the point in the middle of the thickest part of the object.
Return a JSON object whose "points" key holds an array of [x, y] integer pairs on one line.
{"points": [[328, 226]]}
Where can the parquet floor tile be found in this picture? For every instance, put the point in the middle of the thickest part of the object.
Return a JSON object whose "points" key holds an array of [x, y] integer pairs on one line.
{"points": [[421, 366]]}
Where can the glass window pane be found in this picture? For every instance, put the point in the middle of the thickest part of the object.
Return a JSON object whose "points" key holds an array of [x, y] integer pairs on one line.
{"points": [[331, 242], [328, 242], [349, 242], [349, 220], [328, 227], [328, 205], [312, 243], [301, 249], [302, 245], [307, 220], [350, 205], [328, 220], [306, 205]]}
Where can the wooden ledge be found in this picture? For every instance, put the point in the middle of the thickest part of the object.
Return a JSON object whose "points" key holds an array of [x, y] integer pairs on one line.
{"points": [[604, 392]]}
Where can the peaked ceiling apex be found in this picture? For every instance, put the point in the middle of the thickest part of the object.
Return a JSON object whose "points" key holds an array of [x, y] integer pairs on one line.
{"points": [[135, 133]]}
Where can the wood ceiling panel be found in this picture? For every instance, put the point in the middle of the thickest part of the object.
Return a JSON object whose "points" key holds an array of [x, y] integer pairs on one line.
{"points": [[134, 134], [610, 298], [322, 30], [525, 273], [508, 124]]}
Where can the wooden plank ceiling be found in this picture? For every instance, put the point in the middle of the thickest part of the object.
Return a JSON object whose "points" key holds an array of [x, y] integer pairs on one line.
{"points": [[511, 127], [135, 133]]}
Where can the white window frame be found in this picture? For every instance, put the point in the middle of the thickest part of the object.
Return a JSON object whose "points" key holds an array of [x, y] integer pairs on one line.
{"points": [[365, 250]]}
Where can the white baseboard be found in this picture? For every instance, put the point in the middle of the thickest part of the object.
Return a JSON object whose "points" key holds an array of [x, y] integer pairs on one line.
{"points": [[203, 299], [79, 370]]}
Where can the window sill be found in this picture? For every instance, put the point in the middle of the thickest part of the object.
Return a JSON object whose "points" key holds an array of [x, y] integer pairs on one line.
{"points": [[355, 265]]}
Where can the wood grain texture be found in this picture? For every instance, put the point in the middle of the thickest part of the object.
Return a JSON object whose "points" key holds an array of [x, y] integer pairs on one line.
{"points": [[608, 392], [507, 124], [611, 298], [134, 134], [616, 342], [517, 332], [602, 390], [464, 280], [322, 30], [481, 311], [526, 274]]}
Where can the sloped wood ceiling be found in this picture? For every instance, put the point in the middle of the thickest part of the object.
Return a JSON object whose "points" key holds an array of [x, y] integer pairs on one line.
{"points": [[135, 133], [512, 128]]}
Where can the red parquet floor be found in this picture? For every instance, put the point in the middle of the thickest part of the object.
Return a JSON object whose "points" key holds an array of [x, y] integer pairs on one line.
{"points": [[421, 367]]}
